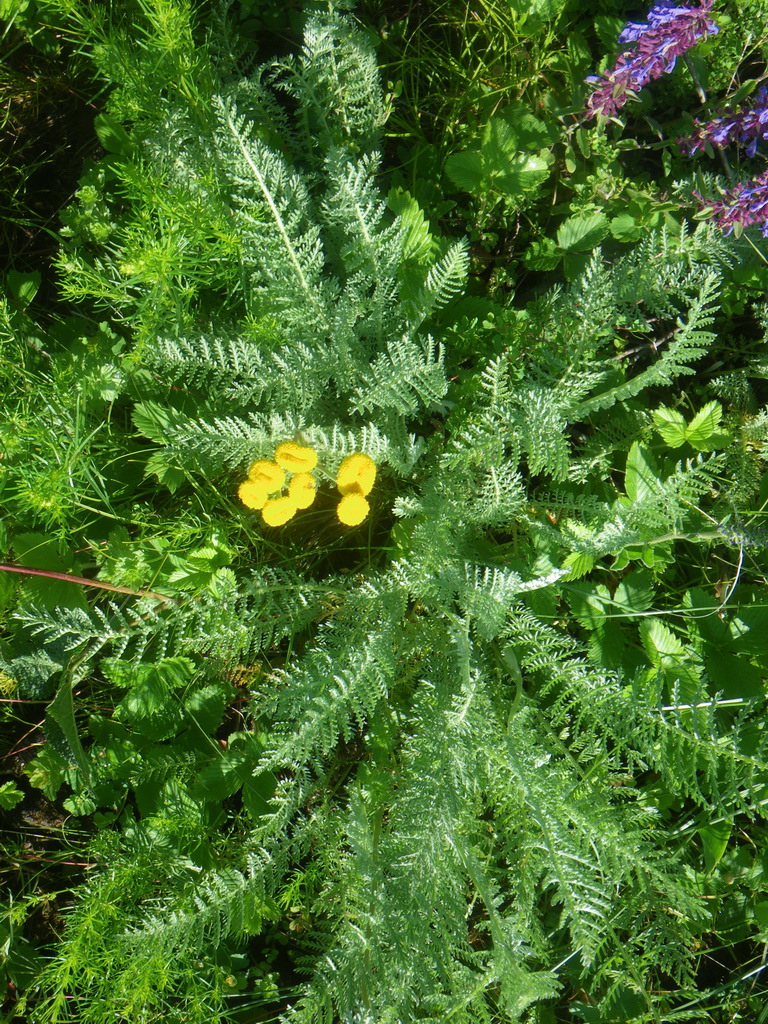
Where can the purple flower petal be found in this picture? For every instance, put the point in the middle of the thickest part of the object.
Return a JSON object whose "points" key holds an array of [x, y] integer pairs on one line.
{"points": [[746, 126], [745, 205], [671, 30]]}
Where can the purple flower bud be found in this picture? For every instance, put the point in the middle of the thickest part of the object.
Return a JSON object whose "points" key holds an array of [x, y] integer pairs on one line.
{"points": [[670, 31], [742, 206], [747, 126]]}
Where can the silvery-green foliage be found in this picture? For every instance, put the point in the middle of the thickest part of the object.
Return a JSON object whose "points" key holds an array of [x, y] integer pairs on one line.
{"points": [[460, 770]]}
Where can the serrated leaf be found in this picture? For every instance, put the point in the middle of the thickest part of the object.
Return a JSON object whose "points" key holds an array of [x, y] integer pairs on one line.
{"points": [[530, 132], [761, 914], [10, 796], [418, 243], [607, 644], [580, 563], [206, 707], [61, 714], [48, 771], [660, 643], [466, 171], [542, 255], [641, 478], [671, 425], [704, 424], [518, 174], [717, 439], [574, 265], [588, 603], [635, 592], [583, 232], [678, 661], [500, 141]]}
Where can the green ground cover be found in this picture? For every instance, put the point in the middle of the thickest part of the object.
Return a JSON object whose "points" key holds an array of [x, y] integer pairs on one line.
{"points": [[384, 621]]}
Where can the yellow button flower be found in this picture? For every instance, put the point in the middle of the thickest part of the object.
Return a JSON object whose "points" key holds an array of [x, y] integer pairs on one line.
{"points": [[252, 494], [296, 458], [302, 489], [268, 474], [278, 511], [352, 509], [356, 474]]}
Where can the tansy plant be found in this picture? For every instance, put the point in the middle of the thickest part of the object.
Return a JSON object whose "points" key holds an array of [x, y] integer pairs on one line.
{"points": [[434, 769]]}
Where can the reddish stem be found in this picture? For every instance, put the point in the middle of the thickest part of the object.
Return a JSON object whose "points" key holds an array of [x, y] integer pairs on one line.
{"points": [[69, 578]]}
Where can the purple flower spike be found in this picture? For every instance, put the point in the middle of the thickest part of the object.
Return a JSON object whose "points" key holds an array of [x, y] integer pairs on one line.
{"points": [[670, 31], [747, 126], [659, 15], [744, 205]]}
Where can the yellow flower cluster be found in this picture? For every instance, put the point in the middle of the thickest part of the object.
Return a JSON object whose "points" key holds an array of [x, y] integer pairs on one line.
{"points": [[263, 490], [267, 478], [355, 479]]}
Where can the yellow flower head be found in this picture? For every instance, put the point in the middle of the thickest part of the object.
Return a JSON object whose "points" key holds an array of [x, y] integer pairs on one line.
{"points": [[356, 474], [267, 474], [296, 458], [352, 509], [254, 495], [302, 489], [278, 511]]}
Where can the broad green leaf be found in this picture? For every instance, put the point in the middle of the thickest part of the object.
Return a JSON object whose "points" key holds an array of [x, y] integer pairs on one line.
{"points": [[113, 137], [589, 603], [22, 288], [704, 424], [661, 644], [60, 716], [704, 606], [10, 796], [625, 228], [607, 28], [171, 476], [733, 676], [714, 840], [641, 478], [761, 914], [143, 700], [583, 137], [671, 425], [466, 171], [12, 8], [678, 661], [608, 644], [257, 792], [717, 439], [40, 551], [582, 232], [153, 420], [634, 593], [574, 264], [529, 131], [500, 142], [517, 174], [542, 255], [580, 563], [206, 707], [48, 771]]}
